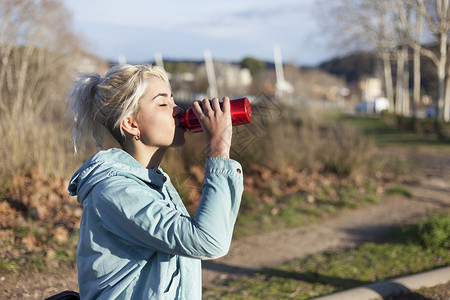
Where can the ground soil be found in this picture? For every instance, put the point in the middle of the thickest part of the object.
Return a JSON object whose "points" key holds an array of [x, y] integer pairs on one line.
{"points": [[430, 194]]}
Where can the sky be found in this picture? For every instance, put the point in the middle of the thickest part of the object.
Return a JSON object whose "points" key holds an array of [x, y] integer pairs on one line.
{"points": [[231, 30]]}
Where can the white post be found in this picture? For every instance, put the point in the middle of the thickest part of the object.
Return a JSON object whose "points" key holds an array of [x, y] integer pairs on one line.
{"points": [[278, 64], [122, 59], [159, 60], [283, 89], [212, 90]]}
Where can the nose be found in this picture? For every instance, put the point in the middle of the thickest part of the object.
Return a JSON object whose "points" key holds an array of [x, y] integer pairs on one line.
{"points": [[177, 111]]}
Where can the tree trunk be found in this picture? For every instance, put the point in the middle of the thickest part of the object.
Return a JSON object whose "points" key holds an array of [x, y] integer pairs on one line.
{"points": [[405, 85], [416, 61], [441, 76], [417, 78], [399, 82], [388, 79], [447, 98]]}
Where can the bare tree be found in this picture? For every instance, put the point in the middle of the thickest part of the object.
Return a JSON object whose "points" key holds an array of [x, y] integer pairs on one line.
{"points": [[369, 22], [37, 56], [401, 89], [363, 23], [36, 50], [416, 36], [437, 16], [403, 22], [410, 26]]}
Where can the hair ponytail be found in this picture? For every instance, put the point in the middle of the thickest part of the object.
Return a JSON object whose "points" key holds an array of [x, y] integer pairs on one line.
{"points": [[82, 103]]}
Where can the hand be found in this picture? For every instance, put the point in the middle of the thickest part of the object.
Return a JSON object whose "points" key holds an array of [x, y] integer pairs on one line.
{"points": [[216, 124]]}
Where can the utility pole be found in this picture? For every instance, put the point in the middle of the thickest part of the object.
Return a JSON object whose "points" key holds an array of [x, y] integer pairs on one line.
{"points": [[212, 89], [159, 60], [278, 64], [283, 89], [122, 60]]}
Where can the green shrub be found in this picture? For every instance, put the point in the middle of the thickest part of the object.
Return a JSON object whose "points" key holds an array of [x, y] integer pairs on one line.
{"points": [[399, 190], [431, 234]]}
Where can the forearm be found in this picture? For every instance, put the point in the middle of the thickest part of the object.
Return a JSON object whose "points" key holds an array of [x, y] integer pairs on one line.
{"points": [[219, 205]]}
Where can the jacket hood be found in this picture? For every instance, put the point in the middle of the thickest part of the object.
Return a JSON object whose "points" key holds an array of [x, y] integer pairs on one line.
{"points": [[107, 163]]}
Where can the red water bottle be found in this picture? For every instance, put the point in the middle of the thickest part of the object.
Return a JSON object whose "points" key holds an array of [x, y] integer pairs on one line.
{"points": [[241, 113]]}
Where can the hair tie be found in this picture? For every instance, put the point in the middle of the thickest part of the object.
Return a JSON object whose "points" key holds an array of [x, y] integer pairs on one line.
{"points": [[100, 80]]}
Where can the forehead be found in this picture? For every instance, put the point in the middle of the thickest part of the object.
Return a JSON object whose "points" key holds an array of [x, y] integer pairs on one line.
{"points": [[156, 85], [156, 80]]}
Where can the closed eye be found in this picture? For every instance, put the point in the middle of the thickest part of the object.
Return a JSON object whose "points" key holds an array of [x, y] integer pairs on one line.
{"points": [[164, 95]]}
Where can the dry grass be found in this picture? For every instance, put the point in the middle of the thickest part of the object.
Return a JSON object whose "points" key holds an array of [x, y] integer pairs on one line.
{"points": [[298, 138], [297, 142], [35, 143]]}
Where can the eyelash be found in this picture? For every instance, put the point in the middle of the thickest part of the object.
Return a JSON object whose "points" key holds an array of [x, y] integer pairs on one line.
{"points": [[171, 97]]}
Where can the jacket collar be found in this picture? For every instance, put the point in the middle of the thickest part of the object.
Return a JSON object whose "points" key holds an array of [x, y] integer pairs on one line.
{"points": [[113, 162]]}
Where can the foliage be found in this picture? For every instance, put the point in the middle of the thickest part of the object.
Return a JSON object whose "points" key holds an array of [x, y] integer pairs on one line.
{"points": [[254, 65], [305, 139], [432, 234], [386, 132], [177, 67], [352, 67], [399, 190], [427, 127]]}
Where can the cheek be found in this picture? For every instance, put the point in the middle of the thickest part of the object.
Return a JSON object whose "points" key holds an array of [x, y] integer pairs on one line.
{"points": [[158, 127], [150, 120]]}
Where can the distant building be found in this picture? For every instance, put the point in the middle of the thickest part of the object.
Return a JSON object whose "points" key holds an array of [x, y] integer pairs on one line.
{"points": [[231, 79], [372, 97], [371, 88]]}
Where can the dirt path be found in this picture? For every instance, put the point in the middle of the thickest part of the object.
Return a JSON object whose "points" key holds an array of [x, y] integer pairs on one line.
{"points": [[250, 254]]}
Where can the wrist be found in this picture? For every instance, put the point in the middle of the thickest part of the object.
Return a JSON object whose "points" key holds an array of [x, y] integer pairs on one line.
{"points": [[218, 148]]}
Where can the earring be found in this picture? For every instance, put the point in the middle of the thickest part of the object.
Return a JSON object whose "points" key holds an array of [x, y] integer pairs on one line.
{"points": [[138, 137]]}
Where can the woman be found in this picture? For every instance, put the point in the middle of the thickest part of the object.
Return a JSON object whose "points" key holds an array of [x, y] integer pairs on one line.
{"points": [[137, 241]]}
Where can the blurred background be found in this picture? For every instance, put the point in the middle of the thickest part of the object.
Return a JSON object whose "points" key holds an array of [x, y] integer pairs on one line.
{"points": [[317, 72]]}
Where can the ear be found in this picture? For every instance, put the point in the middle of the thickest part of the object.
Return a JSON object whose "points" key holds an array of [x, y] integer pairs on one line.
{"points": [[130, 126]]}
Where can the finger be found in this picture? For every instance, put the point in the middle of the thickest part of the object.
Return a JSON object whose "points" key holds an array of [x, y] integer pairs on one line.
{"points": [[206, 104], [226, 104], [216, 104], [197, 109]]}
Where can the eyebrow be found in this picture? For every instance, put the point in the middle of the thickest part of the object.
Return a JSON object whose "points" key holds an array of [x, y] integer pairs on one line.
{"points": [[162, 95]]}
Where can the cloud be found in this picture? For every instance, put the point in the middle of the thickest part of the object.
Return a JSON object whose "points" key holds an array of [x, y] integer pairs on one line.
{"points": [[254, 23], [273, 11], [231, 30]]}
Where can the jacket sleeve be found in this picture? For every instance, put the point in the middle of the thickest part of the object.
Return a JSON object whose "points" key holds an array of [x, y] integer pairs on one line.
{"points": [[140, 216]]}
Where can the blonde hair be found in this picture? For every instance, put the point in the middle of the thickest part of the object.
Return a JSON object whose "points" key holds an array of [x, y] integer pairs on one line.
{"points": [[99, 103]]}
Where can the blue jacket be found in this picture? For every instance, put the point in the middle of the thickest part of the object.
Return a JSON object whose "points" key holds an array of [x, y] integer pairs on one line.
{"points": [[137, 241]]}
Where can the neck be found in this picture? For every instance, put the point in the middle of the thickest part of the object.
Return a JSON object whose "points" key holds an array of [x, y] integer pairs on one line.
{"points": [[148, 157]]}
